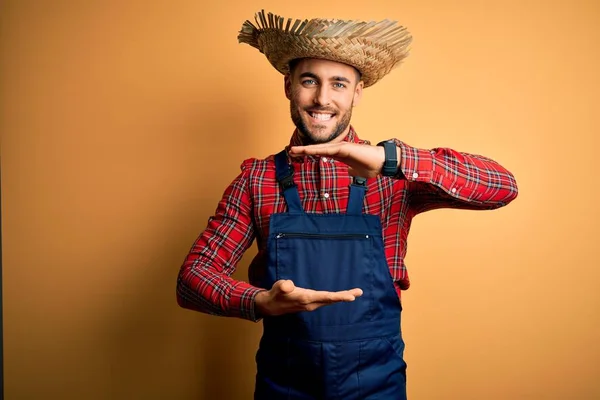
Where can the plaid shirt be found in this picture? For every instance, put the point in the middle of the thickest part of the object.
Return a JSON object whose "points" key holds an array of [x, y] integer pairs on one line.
{"points": [[426, 180]]}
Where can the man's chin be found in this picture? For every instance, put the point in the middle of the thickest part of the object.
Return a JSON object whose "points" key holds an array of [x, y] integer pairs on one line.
{"points": [[320, 136], [317, 134]]}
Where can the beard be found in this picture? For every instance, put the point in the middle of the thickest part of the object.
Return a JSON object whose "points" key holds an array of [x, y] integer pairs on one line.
{"points": [[311, 136]]}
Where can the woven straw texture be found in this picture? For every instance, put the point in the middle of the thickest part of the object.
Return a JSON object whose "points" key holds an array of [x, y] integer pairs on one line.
{"points": [[374, 48]]}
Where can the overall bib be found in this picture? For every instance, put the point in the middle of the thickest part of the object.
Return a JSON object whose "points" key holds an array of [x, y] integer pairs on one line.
{"points": [[345, 351]]}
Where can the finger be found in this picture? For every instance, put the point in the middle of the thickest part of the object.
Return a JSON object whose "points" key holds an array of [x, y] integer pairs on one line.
{"points": [[313, 146], [349, 295], [316, 149], [334, 297], [313, 306], [356, 292]]}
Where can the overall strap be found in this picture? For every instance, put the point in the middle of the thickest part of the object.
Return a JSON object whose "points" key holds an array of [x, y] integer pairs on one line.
{"points": [[285, 176], [358, 188]]}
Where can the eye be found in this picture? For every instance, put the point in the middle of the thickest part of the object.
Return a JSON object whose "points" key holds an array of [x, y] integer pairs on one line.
{"points": [[339, 85], [309, 82]]}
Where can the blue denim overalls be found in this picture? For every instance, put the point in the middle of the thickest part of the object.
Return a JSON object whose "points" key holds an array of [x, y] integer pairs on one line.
{"points": [[345, 351]]}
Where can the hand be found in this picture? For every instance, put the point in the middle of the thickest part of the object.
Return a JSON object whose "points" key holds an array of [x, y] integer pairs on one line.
{"points": [[285, 298], [362, 159]]}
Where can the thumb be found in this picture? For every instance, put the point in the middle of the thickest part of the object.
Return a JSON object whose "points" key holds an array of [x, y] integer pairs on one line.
{"points": [[284, 286]]}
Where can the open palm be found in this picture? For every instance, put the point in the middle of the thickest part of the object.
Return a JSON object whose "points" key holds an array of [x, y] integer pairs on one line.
{"points": [[362, 159]]}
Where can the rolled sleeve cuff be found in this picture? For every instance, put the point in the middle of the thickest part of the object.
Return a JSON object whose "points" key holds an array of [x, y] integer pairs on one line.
{"points": [[415, 164], [243, 301]]}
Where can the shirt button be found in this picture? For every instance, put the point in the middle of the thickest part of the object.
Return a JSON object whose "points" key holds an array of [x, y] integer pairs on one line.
{"points": [[324, 159], [326, 195], [453, 190], [415, 175]]}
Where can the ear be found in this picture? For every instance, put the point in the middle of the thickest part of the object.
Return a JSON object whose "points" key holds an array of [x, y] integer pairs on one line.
{"points": [[358, 91], [287, 86]]}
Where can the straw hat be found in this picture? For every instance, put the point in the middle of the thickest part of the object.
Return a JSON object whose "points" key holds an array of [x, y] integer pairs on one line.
{"points": [[373, 48]]}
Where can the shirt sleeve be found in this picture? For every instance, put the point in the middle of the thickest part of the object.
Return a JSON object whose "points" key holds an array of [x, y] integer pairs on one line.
{"points": [[204, 283], [445, 178]]}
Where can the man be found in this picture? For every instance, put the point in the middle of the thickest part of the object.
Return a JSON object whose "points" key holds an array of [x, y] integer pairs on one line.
{"points": [[331, 215]]}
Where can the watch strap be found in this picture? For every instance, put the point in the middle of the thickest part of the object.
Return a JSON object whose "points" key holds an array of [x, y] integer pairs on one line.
{"points": [[390, 165]]}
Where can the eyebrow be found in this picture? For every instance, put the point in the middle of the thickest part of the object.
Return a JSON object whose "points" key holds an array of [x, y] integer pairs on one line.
{"points": [[333, 78]]}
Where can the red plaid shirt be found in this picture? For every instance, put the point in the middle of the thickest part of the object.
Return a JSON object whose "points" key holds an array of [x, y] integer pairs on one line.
{"points": [[426, 180]]}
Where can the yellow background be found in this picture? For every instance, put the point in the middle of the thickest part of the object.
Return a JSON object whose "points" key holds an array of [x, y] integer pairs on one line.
{"points": [[123, 121]]}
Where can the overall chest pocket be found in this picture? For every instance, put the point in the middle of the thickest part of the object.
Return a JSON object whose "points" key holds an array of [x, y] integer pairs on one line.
{"points": [[329, 262]]}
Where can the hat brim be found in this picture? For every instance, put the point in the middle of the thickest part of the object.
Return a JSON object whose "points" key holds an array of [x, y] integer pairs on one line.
{"points": [[373, 48]]}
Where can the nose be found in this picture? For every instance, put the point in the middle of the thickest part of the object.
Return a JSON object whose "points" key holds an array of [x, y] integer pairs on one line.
{"points": [[323, 96]]}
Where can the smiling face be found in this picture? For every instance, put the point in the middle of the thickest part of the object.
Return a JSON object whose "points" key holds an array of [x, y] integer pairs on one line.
{"points": [[322, 94]]}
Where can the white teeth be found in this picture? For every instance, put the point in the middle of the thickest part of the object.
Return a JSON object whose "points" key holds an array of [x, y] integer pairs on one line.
{"points": [[321, 117]]}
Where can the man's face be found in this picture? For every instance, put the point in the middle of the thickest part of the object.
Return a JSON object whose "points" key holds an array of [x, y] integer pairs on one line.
{"points": [[322, 94]]}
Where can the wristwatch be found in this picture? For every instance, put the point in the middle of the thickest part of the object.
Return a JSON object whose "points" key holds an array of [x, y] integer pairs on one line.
{"points": [[390, 165]]}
